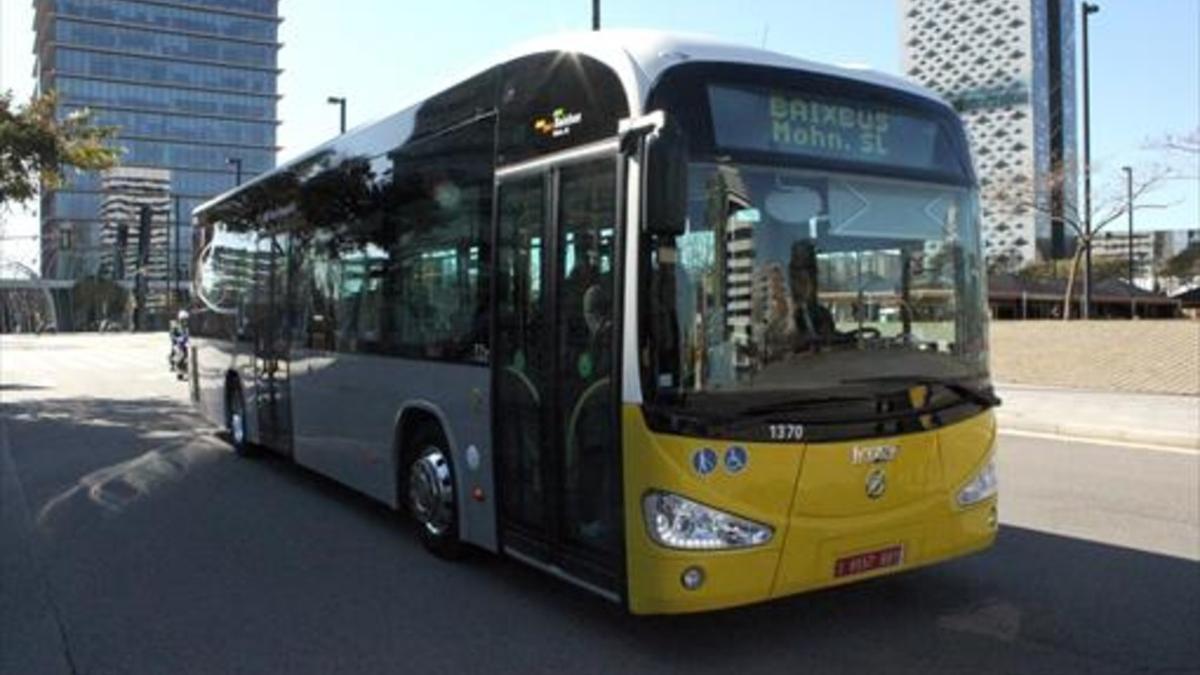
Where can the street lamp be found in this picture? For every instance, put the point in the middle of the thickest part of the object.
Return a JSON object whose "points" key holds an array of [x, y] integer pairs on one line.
{"points": [[1088, 9], [339, 101], [595, 14], [236, 163], [175, 267], [1129, 208]]}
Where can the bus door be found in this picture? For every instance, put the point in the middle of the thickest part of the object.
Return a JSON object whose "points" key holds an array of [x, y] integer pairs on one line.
{"points": [[554, 359], [271, 363]]}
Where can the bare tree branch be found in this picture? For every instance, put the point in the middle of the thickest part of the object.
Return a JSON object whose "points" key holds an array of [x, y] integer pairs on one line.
{"points": [[1019, 194], [1188, 143]]}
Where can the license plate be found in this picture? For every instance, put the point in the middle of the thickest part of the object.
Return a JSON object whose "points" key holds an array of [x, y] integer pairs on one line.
{"points": [[871, 560]]}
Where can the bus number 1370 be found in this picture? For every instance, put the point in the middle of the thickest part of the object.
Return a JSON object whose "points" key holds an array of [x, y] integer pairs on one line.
{"points": [[786, 432]]}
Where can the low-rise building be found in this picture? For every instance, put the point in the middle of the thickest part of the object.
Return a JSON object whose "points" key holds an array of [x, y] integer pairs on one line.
{"points": [[1150, 250], [1011, 296]]}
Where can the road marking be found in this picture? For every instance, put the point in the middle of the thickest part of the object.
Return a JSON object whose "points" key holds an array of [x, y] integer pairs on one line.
{"points": [[1101, 441]]}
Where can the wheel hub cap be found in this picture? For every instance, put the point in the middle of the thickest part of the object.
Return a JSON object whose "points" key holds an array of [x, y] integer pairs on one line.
{"points": [[431, 492]]}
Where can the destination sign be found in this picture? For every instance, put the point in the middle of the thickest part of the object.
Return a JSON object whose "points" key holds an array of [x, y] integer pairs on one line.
{"points": [[797, 123]]}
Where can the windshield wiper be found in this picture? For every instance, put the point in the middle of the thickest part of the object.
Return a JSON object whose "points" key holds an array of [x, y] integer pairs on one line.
{"points": [[983, 397], [798, 403]]}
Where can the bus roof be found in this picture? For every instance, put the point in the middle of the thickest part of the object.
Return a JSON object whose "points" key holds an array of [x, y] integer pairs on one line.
{"points": [[638, 57], [652, 52]]}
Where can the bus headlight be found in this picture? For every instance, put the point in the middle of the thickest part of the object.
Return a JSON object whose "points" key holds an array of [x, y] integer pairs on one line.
{"points": [[982, 486], [678, 522]]}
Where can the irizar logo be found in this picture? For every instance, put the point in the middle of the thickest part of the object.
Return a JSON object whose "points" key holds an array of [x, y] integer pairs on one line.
{"points": [[558, 124], [876, 483], [873, 454]]}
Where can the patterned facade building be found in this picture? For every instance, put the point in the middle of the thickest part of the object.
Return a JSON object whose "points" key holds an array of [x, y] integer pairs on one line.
{"points": [[1008, 67], [124, 256], [739, 285], [190, 85]]}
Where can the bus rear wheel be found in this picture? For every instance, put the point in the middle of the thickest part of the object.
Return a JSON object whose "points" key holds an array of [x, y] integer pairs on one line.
{"points": [[431, 497]]}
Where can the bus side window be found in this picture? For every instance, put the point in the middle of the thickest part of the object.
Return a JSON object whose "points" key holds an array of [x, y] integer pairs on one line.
{"points": [[321, 330], [436, 273]]}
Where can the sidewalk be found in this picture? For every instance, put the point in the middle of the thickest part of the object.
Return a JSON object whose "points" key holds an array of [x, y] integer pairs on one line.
{"points": [[1105, 415]]}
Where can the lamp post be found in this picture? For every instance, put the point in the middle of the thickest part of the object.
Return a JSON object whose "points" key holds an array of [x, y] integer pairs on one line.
{"points": [[1088, 9], [176, 266], [141, 269], [171, 227], [339, 101], [236, 163], [595, 14], [1129, 209]]}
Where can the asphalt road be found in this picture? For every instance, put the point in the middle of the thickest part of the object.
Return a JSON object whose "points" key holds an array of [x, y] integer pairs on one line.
{"points": [[133, 541]]}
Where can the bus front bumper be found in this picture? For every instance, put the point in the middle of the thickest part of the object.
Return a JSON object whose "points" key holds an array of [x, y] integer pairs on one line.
{"points": [[809, 554]]}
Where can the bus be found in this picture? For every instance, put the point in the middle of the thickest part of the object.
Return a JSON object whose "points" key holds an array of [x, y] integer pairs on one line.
{"points": [[686, 324]]}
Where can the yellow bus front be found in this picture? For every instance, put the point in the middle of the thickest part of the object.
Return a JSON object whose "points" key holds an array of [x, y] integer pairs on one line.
{"points": [[815, 406], [823, 518]]}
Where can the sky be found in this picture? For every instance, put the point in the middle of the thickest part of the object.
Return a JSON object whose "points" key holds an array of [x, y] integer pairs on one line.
{"points": [[385, 54]]}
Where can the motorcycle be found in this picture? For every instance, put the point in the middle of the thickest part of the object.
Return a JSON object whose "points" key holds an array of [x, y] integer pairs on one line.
{"points": [[179, 354]]}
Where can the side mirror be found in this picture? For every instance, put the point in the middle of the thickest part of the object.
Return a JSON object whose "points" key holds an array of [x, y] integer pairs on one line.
{"points": [[666, 181]]}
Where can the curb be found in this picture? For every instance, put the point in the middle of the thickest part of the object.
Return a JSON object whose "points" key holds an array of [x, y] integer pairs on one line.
{"points": [[1019, 387], [1147, 436]]}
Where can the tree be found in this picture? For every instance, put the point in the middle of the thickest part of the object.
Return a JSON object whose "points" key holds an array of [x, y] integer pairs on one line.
{"points": [[1183, 266], [99, 302], [1103, 269], [1021, 195], [1188, 144], [36, 146], [1181, 152]]}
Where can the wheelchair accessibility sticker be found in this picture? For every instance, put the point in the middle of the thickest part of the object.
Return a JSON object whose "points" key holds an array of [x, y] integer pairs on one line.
{"points": [[736, 459], [704, 461]]}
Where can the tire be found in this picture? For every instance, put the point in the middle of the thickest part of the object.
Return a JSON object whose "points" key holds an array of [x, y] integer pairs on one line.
{"points": [[429, 493], [235, 420]]}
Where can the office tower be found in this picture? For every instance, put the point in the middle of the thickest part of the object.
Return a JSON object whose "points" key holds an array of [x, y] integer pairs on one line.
{"points": [[190, 85]]}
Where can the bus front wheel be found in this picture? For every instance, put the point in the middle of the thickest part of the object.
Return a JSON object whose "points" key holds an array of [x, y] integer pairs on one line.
{"points": [[431, 498]]}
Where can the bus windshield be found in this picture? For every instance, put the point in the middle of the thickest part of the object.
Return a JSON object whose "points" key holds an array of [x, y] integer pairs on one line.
{"points": [[812, 282]]}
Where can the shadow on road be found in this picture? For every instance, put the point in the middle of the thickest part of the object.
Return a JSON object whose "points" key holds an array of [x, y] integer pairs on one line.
{"points": [[1033, 592], [160, 538], [20, 387], [1037, 602], [110, 451]]}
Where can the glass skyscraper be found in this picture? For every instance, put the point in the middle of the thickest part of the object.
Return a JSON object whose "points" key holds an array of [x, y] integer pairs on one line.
{"points": [[191, 85]]}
